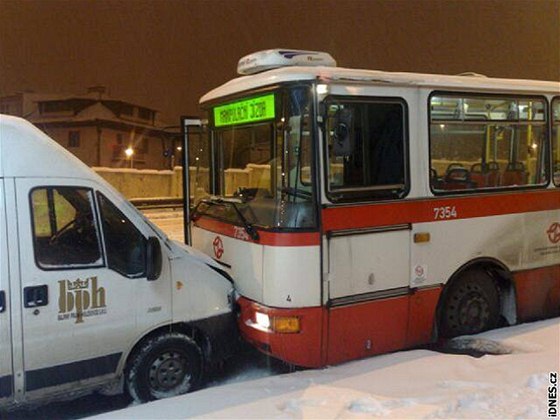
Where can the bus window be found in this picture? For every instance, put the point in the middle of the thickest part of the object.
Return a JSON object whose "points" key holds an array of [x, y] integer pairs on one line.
{"points": [[369, 162], [478, 142], [556, 141]]}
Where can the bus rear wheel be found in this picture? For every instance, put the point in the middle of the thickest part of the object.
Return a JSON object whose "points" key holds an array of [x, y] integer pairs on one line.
{"points": [[471, 305], [164, 366]]}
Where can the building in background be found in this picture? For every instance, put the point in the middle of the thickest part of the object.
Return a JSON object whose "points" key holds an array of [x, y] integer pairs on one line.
{"points": [[101, 131]]}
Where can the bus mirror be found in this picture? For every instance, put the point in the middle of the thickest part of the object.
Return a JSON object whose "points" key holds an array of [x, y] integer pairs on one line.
{"points": [[153, 259], [343, 144]]}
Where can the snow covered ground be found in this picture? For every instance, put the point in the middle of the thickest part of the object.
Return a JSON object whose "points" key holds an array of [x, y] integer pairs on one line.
{"points": [[511, 383]]}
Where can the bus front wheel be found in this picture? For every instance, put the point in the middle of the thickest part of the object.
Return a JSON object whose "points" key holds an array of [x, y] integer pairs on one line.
{"points": [[471, 305]]}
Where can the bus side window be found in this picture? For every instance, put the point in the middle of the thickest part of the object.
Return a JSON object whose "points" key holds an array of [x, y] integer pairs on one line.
{"points": [[555, 110], [370, 162], [499, 141]]}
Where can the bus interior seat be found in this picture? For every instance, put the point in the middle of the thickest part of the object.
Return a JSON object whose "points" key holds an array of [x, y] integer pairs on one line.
{"points": [[486, 174], [514, 174], [458, 178], [494, 174], [435, 179], [479, 174]]}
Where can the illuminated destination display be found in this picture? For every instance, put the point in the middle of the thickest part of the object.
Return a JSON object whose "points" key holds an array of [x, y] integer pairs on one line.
{"points": [[245, 111]]}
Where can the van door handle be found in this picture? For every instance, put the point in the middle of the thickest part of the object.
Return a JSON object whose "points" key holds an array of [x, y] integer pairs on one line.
{"points": [[2, 301], [36, 296]]}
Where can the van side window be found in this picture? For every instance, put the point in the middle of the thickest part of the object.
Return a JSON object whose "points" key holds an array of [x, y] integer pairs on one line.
{"points": [[366, 141], [65, 232], [124, 244]]}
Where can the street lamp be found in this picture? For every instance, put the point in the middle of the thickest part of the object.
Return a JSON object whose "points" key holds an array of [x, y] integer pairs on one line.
{"points": [[129, 152]]}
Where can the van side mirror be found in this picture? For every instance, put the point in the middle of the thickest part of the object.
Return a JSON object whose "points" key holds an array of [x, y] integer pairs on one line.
{"points": [[153, 258], [342, 136]]}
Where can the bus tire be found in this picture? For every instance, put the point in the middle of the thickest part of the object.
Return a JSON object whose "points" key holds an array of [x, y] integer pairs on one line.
{"points": [[164, 366], [471, 305]]}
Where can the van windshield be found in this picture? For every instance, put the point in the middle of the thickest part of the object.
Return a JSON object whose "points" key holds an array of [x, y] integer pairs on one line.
{"points": [[262, 161]]}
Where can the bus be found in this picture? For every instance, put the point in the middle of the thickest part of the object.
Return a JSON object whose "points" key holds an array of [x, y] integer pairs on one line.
{"points": [[361, 212]]}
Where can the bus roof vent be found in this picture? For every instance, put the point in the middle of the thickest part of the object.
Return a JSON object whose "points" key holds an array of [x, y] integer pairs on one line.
{"points": [[471, 74], [271, 59]]}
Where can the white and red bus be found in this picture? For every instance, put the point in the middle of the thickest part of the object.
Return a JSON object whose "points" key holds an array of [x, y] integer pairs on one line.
{"points": [[362, 212]]}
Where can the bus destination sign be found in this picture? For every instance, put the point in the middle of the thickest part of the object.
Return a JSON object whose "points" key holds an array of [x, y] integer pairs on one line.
{"points": [[245, 111]]}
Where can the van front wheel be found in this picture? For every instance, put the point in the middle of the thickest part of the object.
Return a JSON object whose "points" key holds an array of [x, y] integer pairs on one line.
{"points": [[164, 366]]}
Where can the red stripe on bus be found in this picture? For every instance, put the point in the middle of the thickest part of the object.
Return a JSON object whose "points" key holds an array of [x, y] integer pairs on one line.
{"points": [[438, 209], [537, 293], [265, 237]]}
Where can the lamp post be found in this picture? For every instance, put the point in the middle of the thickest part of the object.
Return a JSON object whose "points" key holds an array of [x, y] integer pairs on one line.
{"points": [[129, 155]]}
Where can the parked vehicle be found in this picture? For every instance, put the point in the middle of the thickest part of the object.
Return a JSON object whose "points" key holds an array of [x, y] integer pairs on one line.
{"points": [[362, 212], [92, 295]]}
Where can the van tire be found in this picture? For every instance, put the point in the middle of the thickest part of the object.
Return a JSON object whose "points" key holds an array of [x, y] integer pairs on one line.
{"points": [[164, 366], [471, 305]]}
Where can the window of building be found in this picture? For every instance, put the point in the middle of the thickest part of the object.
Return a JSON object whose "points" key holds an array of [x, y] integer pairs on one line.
{"points": [[124, 244], [54, 107], [366, 143], [145, 114], [142, 146], [556, 140], [479, 142], [73, 139], [65, 232], [126, 110]]}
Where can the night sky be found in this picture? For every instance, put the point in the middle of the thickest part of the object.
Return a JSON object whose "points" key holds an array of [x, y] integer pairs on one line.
{"points": [[166, 54]]}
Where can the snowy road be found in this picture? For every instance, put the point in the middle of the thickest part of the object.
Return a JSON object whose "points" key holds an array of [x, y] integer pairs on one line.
{"points": [[410, 384]]}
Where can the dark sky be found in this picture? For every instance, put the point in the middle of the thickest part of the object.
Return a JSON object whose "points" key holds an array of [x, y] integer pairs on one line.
{"points": [[166, 54]]}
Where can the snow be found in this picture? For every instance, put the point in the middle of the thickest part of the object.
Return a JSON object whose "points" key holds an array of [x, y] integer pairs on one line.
{"points": [[511, 382]]}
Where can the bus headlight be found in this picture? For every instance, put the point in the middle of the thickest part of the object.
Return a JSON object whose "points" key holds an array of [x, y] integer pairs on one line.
{"points": [[262, 320], [285, 324]]}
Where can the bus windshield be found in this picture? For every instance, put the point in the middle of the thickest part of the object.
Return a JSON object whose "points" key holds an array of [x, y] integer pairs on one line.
{"points": [[261, 160]]}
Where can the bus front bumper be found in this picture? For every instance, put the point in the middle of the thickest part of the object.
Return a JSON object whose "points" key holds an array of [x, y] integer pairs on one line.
{"points": [[293, 335]]}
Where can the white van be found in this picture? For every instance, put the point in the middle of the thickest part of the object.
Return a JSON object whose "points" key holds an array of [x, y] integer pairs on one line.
{"points": [[92, 295]]}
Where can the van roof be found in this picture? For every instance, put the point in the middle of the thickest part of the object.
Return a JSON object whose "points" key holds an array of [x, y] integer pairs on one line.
{"points": [[466, 82], [25, 151]]}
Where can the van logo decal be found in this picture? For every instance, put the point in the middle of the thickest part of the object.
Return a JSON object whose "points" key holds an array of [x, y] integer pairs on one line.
{"points": [[80, 299], [218, 247]]}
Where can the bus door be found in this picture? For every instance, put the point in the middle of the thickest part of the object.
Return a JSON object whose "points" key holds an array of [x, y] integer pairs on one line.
{"points": [[6, 375], [368, 242]]}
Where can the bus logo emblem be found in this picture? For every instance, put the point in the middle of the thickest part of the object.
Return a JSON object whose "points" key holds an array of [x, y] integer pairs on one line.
{"points": [[554, 233], [218, 247]]}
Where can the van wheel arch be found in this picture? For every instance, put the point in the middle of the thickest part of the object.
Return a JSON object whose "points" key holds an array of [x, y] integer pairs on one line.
{"points": [[502, 279]]}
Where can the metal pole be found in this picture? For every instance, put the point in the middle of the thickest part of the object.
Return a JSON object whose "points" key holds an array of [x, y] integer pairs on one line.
{"points": [[187, 122]]}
